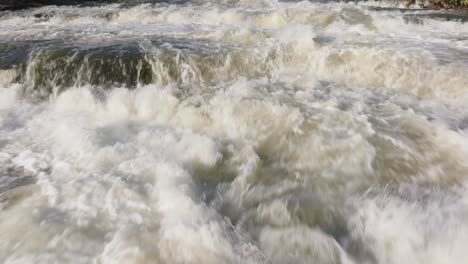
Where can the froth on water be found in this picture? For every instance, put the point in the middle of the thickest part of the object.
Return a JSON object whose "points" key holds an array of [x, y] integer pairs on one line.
{"points": [[233, 132]]}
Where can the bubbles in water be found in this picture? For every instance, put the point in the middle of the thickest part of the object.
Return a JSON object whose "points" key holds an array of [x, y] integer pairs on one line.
{"points": [[232, 132]]}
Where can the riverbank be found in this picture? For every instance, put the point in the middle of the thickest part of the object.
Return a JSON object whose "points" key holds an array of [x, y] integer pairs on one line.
{"points": [[19, 5], [449, 4], [12, 5], [439, 4]]}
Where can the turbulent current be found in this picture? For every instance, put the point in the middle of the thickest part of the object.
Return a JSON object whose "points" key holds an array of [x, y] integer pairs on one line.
{"points": [[233, 131]]}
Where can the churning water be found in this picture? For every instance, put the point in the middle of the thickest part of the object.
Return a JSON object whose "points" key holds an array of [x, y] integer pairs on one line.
{"points": [[235, 131]]}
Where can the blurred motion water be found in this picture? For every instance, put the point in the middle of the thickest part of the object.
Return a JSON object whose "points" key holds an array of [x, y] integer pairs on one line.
{"points": [[233, 131]]}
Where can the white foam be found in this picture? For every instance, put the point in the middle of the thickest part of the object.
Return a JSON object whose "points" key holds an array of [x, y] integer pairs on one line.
{"points": [[309, 143], [8, 97]]}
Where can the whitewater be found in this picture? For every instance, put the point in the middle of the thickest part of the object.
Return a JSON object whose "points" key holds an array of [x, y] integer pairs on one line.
{"points": [[234, 131]]}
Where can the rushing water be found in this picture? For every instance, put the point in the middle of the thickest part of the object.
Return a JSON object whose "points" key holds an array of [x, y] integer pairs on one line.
{"points": [[242, 131]]}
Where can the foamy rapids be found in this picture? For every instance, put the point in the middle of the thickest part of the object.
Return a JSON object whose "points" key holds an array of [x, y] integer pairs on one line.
{"points": [[235, 131]]}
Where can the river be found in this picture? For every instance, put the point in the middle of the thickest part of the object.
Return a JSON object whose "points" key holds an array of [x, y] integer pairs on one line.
{"points": [[234, 131]]}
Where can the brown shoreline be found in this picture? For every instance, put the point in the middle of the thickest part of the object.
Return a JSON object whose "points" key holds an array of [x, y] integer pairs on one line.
{"points": [[440, 4]]}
